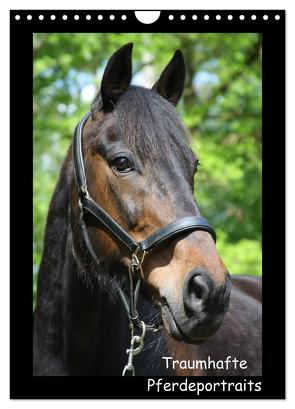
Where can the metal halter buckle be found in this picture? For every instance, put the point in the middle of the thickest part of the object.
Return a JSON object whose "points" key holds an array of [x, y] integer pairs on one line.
{"points": [[85, 192], [137, 258]]}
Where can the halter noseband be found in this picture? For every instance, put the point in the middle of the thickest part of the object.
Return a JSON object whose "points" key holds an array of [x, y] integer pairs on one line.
{"points": [[137, 249]]}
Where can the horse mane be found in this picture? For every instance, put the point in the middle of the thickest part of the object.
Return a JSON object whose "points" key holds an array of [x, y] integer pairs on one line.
{"points": [[56, 234]]}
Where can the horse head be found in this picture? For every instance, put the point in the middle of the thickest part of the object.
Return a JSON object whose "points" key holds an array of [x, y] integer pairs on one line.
{"points": [[140, 170]]}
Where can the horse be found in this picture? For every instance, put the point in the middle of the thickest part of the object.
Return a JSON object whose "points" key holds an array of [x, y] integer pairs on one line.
{"points": [[123, 213]]}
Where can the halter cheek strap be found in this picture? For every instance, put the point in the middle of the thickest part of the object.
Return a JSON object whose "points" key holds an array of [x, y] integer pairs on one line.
{"points": [[137, 249]]}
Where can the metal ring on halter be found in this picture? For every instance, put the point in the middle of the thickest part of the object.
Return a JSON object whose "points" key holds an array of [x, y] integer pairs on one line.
{"points": [[85, 191], [138, 257]]}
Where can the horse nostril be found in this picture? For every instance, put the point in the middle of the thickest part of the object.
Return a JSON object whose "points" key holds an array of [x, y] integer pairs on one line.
{"points": [[196, 291], [199, 288]]}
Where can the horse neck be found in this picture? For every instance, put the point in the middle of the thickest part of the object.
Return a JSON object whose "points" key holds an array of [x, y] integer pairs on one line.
{"points": [[95, 330], [48, 309], [73, 320]]}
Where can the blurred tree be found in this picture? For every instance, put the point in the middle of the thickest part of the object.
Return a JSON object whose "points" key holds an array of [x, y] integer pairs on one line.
{"points": [[221, 107]]}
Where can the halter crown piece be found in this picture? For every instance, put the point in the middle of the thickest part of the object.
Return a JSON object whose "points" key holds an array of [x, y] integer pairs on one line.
{"points": [[137, 250]]}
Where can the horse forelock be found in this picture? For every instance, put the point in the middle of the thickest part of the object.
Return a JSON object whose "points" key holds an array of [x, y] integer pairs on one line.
{"points": [[149, 125]]}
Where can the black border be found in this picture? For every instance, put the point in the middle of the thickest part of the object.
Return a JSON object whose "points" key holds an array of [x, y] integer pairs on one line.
{"points": [[22, 383]]}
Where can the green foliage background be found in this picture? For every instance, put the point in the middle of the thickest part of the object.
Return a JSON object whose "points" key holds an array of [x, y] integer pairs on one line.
{"points": [[221, 106]]}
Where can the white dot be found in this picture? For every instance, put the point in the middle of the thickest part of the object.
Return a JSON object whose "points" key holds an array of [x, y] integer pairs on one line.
{"points": [[182, 17], [29, 17], [52, 17], [171, 17], [112, 17], [17, 17], [41, 17], [76, 17], [265, 17], [218, 17], [206, 17], [230, 17], [194, 17], [277, 17], [123, 17], [253, 17], [88, 17], [100, 17], [242, 17], [64, 17]]}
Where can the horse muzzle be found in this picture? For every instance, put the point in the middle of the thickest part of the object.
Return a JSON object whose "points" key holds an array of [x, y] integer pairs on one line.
{"points": [[201, 311]]}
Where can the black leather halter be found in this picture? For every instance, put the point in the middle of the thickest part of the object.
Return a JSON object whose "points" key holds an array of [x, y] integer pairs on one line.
{"points": [[137, 249]]}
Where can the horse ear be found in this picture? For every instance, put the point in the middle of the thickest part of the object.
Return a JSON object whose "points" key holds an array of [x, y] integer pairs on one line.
{"points": [[116, 79], [171, 82]]}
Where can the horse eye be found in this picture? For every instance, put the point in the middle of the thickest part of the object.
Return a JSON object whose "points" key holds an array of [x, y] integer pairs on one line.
{"points": [[122, 164]]}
